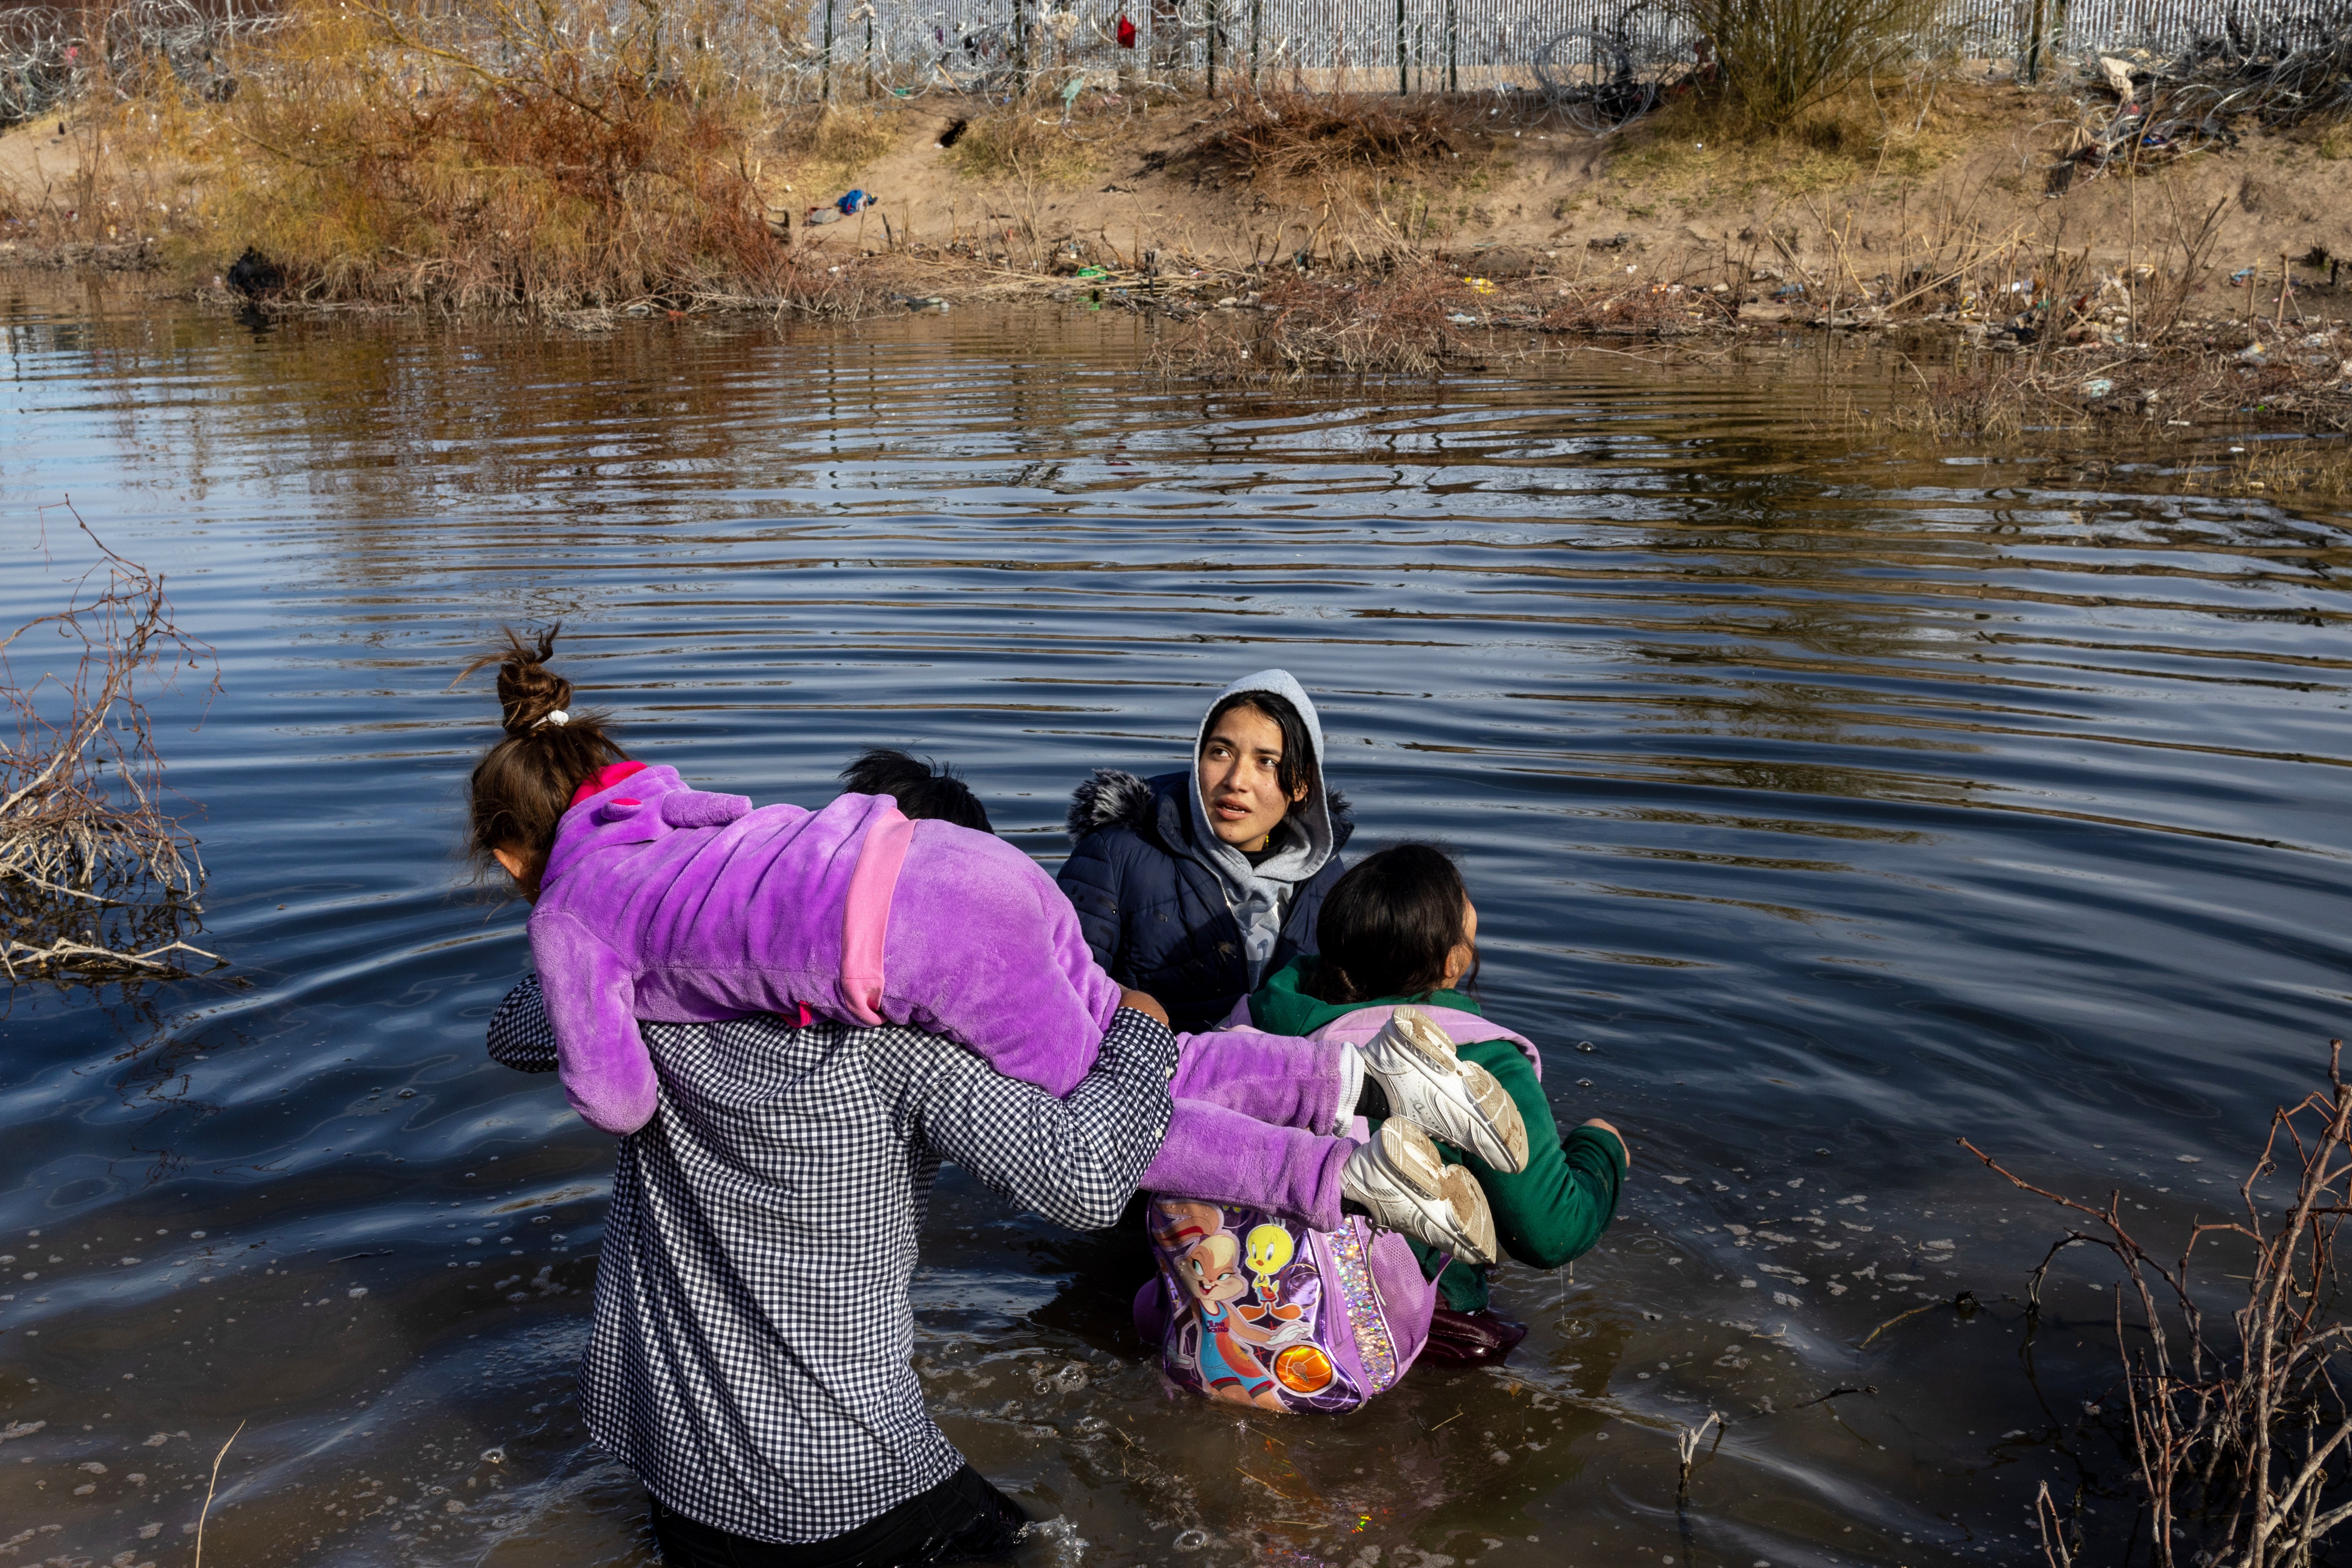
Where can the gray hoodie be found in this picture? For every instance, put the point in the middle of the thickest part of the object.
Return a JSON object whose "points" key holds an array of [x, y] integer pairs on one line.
{"points": [[1260, 895]]}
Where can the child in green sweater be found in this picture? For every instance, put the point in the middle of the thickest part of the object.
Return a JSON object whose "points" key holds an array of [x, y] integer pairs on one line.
{"points": [[1398, 932]]}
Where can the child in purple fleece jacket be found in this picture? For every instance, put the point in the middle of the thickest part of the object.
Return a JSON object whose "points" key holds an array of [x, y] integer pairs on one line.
{"points": [[657, 900]]}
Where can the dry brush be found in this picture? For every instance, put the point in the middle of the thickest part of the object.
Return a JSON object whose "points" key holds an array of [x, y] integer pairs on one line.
{"points": [[2239, 1430], [97, 877]]}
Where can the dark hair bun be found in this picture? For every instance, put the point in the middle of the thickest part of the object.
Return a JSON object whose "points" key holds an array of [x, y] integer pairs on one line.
{"points": [[522, 785], [527, 691]]}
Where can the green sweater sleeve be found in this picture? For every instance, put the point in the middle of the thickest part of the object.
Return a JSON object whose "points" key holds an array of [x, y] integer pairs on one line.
{"points": [[1554, 1211]]}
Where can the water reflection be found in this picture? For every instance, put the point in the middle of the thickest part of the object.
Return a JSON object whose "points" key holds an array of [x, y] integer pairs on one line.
{"points": [[1841, 799]]}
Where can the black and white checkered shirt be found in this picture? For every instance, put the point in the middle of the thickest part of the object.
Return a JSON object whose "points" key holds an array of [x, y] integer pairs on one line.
{"points": [[749, 1355]]}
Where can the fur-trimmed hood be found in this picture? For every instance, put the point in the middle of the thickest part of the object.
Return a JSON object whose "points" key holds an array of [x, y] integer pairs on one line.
{"points": [[1110, 797]]}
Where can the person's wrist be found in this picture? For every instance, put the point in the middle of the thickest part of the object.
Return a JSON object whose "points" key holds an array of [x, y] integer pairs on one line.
{"points": [[1624, 1150], [1134, 1032]]}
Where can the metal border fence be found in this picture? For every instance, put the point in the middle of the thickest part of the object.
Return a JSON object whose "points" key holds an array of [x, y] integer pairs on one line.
{"points": [[1562, 49], [909, 46]]}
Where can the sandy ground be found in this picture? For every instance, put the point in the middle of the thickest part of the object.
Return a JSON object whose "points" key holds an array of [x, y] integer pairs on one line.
{"points": [[38, 159], [1554, 202]]}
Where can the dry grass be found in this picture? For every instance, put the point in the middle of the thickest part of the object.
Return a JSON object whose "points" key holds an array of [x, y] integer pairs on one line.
{"points": [[2238, 1431], [1778, 61], [490, 158], [1015, 144], [1288, 136], [1622, 308], [1308, 328], [478, 154], [2288, 469], [2143, 392], [821, 150], [1903, 127]]}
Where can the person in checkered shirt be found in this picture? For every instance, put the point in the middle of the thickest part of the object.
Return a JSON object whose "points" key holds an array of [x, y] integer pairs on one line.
{"points": [[749, 1352]]}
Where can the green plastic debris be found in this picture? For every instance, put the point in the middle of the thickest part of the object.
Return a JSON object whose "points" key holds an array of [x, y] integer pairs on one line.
{"points": [[1093, 272]]}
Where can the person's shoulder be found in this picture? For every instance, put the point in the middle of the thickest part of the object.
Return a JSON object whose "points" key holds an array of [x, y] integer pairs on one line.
{"points": [[1505, 1056], [1500, 1055], [1113, 805]]}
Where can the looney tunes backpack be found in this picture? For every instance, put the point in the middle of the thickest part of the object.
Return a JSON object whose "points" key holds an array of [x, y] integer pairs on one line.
{"points": [[1254, 1309]]}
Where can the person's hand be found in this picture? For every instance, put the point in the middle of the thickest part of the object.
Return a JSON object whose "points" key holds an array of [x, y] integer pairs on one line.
{"points": [[1149, 1006], [1611, 1131]]}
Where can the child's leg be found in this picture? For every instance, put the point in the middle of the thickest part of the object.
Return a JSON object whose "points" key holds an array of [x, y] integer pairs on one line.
{"points": [[1216, 1153], [1273, 1078], [984, 948]]}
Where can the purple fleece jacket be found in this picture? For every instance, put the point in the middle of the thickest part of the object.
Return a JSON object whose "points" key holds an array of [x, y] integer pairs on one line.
{"points": [[663, 903]]}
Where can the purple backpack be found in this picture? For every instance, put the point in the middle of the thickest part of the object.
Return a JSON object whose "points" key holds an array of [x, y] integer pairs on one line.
{"points": [[1256, 1309]]}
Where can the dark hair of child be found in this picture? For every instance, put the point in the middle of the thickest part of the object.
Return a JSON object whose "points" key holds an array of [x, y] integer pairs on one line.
{"points": [[523, 785], [1388, 926], [1296, 768], [923, 790]]}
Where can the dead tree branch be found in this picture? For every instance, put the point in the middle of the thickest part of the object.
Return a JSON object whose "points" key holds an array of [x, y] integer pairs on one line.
{"points": [[97, 878], [2242, 1440]]}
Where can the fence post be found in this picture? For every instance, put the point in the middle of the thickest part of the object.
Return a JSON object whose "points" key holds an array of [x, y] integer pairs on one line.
{"points": [[2033, 43], [1256, 7], [1402, 90], [1020, 54], [824, 71], [1453, 74], [1212, 48]]}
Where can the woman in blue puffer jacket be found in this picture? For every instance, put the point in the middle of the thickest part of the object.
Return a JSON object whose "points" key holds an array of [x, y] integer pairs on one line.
{"points": [[1194, 886]]}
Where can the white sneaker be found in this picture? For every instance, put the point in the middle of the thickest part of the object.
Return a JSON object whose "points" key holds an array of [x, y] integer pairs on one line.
{"points": [[1403, 1185], [1427, 1082]]}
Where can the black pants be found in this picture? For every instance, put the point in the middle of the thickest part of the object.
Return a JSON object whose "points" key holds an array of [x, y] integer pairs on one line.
{"points": [[962, 1519]]}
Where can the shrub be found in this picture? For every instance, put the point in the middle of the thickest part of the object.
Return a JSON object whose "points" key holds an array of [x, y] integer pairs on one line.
{"points": [[491, 155], [1307, 136], [1775, 59]]}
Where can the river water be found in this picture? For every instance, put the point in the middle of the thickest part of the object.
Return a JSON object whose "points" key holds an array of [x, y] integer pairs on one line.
{"points": [[1842, 799]]}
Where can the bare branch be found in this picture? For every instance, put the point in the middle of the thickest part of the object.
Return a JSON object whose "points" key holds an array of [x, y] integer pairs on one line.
{"points": [[96, 878], [2213, 1425]]}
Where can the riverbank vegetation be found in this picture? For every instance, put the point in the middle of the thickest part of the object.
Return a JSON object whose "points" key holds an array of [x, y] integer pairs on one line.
{"points": [[500, 155], [98, 876], [485, 155], [580, 162], [2234, 1418]]}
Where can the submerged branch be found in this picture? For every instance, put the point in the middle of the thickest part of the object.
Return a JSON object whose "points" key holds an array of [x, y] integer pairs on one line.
{"points": [[2212, 1423], [96, 878]]}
